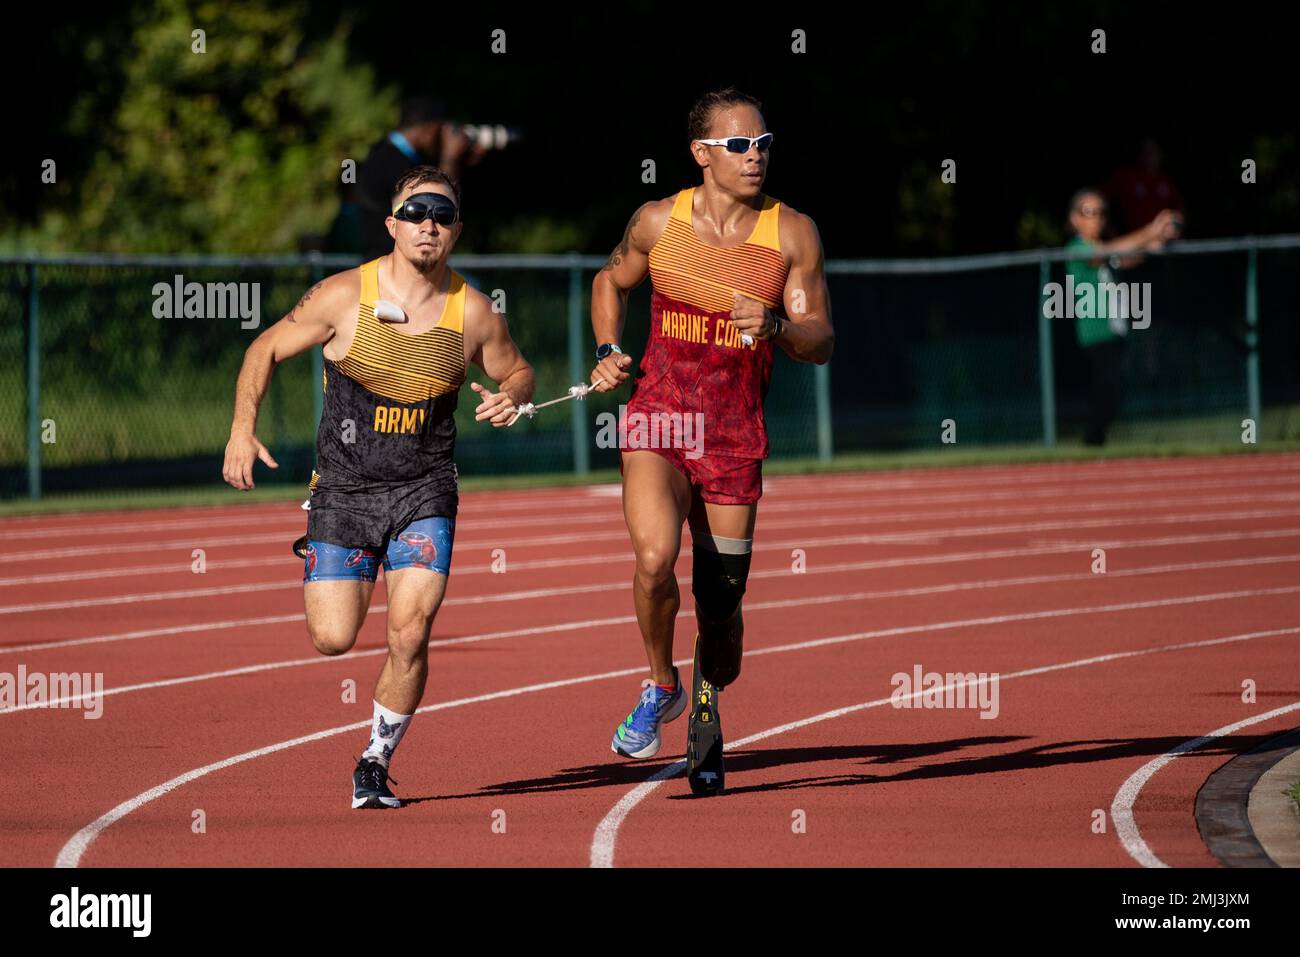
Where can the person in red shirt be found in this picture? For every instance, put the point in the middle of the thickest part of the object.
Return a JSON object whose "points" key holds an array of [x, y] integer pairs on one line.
{"points": [[735, 274], [1142, 189]]}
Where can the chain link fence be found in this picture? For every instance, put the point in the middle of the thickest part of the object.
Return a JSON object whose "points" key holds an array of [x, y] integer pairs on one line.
{"points": [[101, 391], [968, 341]]}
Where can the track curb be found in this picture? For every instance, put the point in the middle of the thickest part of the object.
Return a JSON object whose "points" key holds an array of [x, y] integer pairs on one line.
{"points": [[1241, 821]]}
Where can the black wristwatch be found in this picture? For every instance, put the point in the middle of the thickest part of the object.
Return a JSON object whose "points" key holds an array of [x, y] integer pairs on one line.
{"points": [[605, 349]]}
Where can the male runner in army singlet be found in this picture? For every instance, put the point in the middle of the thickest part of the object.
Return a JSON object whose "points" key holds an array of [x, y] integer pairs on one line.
{"points": [[728, 265], [385, 488]]}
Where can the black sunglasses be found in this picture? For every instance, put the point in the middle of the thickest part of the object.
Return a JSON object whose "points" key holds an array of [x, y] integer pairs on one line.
{"points": [[422, 206]]}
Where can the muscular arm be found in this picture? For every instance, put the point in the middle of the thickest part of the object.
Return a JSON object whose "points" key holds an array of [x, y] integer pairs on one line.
{"points": [[311, 322], [626, 269], [497, 355], [807, 336]]}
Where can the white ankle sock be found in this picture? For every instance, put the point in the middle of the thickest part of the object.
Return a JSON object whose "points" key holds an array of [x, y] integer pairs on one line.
{"points": [[385, 733]]}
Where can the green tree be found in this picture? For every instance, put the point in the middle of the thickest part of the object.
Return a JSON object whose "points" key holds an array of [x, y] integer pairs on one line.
{"points": [[237, 149]]}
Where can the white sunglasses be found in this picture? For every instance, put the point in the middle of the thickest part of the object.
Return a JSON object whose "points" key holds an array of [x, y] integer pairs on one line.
{"points": [[741, 144]]}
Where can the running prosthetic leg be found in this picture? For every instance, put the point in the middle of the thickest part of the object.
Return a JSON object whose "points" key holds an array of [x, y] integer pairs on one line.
{"points": [[704, 768]]}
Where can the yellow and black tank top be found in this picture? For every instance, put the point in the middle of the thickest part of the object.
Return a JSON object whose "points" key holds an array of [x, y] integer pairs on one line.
{"points": [[389, 407], [695, 360]]}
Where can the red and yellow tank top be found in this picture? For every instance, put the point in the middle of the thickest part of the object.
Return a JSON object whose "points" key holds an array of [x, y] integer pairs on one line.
{"points": [[695, 361]]}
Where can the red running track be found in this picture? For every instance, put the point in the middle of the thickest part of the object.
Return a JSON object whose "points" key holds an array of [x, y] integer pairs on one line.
{"points": [[216, 702]]}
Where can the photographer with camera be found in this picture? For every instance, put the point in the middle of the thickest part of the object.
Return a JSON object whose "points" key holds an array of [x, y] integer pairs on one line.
{"points": [[424, 134]]}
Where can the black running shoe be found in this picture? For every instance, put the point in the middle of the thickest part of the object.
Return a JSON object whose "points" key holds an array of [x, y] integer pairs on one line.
{"points": [[704, 736], [370, 786], [300, 547]]}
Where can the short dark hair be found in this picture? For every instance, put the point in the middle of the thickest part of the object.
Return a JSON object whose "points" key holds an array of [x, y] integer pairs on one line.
{"points": [[421, 109], [697, 124], [425, 174]]}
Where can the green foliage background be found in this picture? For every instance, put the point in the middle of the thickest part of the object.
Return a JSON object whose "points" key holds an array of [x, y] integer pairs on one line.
{"points": [[234, 149]]}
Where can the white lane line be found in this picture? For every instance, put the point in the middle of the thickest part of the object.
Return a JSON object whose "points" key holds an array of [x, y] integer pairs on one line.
{"points": [[852, 505], [292, 521], [816, 569], [72, 851], [132, 599], [923, 536], [1070, 474], [788, 486], [606, 834], [501, 500], [849, 512], [924, 481], [797, 521], [99, 529], [122, 548], [130, 571], [1121, 808], [685, 613], [216, 590], [186, 566], [168, 630], [72, 700]]}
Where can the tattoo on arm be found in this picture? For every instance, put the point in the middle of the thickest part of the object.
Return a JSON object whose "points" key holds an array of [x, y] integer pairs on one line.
{"points": [[617, 255], [303, 301]]}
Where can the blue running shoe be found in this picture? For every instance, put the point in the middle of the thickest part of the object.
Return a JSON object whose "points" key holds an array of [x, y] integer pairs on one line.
{"points": [[638, 736]]}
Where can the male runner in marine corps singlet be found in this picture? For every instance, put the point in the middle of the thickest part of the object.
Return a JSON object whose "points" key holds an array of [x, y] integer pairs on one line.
{"points": [[385, 488], [734, 273]]}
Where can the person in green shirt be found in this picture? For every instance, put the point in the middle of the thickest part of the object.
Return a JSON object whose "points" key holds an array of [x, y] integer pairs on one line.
{"points": [[1100, 334]]}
